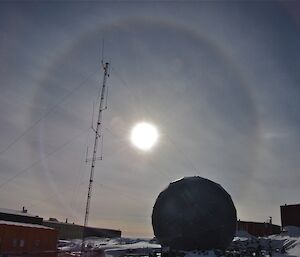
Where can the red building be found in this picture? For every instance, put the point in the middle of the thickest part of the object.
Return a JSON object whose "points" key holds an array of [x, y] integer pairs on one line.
{"points": [[290, 215], [27, 239], [258, 228]]}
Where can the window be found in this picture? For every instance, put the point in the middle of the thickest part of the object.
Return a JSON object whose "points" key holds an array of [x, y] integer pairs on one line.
{"points": [[37, 243], [22, 243], [15, 242]]}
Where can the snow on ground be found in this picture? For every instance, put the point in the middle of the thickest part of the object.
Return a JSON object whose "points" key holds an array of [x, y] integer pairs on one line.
{"points": [[289, 239], [292, 231], [113, 247], [283, 245], [242, 234]]}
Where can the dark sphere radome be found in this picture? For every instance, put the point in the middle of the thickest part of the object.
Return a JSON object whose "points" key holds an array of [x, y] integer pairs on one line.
{"points": [[194, 213]]}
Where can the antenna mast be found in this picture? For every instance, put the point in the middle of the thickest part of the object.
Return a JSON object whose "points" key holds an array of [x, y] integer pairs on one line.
{"points": [[98, 135]]}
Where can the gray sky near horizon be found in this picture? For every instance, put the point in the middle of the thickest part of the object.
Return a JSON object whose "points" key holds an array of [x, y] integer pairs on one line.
{"points": [[220, 81]]}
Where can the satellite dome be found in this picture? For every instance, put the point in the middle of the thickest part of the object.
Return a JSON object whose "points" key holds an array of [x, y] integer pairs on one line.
{"points": [[194, 213]]}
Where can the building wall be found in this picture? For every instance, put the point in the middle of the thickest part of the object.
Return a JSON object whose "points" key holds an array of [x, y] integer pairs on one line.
{"points": [[101, 232], [290, 215], [258, 228], [74, 231], [65, 230], [17, 239], [21, 218]]}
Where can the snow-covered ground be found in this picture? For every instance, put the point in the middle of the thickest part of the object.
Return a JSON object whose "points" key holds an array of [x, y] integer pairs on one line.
{"points": [[285, 244], [290, 239], [115, 247]]}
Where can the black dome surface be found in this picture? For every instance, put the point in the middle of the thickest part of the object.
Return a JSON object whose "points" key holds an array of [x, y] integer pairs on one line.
{"points": [[194, 213]]}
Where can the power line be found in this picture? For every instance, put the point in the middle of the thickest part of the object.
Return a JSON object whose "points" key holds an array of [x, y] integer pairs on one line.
{"points": [[47, 113], [183, 154], [124, 83], [47, 156], [79, 181]]}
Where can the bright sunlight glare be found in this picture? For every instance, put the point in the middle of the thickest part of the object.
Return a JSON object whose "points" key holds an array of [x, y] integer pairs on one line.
{"points": [[144, 136]]}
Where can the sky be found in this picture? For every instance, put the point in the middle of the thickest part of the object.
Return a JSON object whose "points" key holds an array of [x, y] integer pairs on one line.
{"points": [[219, 79]]}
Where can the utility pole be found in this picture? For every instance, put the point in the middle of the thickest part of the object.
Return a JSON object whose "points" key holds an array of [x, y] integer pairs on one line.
{"points": [[98, 135]]}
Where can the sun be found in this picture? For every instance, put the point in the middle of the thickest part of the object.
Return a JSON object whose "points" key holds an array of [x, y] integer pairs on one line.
{"points": [[144, 136]]}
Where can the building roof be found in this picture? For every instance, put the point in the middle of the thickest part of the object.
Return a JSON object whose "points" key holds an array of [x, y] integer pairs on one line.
{"points": [[17, 212], [290, 205], [73, 224], [11, 223], [256, 222], [61, 223]]}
